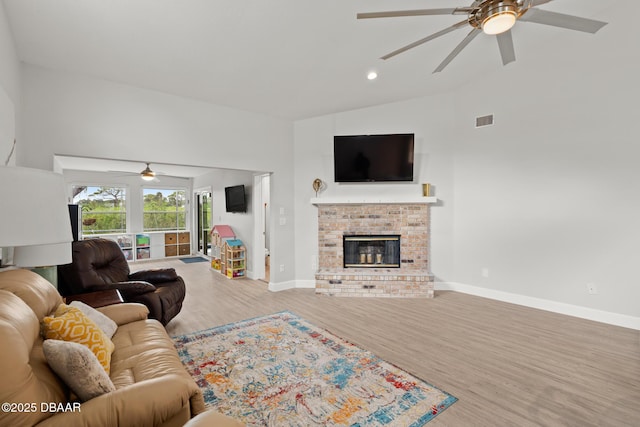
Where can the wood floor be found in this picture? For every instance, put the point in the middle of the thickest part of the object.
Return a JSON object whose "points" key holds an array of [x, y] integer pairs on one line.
{"points": [[508, 365]]}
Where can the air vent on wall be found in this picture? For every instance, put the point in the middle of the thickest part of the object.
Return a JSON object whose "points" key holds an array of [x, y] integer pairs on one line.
{"points": [[484, 121]]}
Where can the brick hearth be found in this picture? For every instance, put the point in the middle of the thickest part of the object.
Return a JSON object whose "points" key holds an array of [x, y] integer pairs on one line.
{"points": [[410, 221]]}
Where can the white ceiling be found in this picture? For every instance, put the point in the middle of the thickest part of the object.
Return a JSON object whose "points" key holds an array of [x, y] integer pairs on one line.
{"points": [[288, 58]]}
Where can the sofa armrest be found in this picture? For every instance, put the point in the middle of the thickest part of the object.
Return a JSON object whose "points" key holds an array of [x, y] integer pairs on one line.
{"points": [[147, 403], [127, 289], [125, 313], [157, 275], [134, 288]]}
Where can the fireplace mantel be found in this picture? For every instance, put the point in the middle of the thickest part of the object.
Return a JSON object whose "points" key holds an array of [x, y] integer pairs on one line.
{"points": [[371, 201]]}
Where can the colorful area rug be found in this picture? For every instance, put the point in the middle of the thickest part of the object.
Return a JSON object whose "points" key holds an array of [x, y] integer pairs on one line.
{"points": [[281, 370]]}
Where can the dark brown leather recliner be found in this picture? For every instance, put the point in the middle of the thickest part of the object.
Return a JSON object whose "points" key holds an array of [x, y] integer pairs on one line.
{"points": [[99, 264]]}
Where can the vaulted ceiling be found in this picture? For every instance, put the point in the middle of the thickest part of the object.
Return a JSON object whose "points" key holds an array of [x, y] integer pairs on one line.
{"points": [[287, 58]]}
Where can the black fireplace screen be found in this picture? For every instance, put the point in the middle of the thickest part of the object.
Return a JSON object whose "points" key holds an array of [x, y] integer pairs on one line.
{"points": [[371, 251]]}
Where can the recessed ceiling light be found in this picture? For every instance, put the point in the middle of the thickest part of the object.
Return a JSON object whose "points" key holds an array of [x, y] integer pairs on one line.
{"points": [[372, 75]]}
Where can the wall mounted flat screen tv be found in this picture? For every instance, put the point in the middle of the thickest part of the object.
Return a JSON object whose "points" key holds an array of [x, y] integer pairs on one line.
{"points": [[235, 200], [373, 158]]}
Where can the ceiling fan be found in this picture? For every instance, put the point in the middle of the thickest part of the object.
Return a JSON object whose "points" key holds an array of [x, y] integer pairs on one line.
{"points": [[147, 174], [493, 17]]}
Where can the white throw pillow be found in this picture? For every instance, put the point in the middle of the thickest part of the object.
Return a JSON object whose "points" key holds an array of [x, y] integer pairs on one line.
{"points": [[78, 367], [107, 325]]}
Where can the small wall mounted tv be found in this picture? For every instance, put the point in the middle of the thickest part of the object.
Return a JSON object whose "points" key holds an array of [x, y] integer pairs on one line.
{"points": [[373, 158], [235, 200]]}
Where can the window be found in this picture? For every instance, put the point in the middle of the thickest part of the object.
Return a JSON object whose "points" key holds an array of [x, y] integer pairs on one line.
{"points": [[103, 209], [164, 209]]}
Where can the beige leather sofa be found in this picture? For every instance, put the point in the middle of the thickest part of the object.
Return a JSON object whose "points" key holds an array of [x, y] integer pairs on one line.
{"points": [[152, 386]]}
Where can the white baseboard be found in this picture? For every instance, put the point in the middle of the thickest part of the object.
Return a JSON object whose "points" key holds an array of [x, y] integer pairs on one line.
{"points": [[543, 304], [306, 284], [292, 284], [527, 301], [282, 286]]}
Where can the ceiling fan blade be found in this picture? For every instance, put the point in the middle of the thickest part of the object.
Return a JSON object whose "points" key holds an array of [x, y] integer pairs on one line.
{"points": [[416, 12], [505, 44], [426, 39], [555, 19], [458, 49], [535, 3]]}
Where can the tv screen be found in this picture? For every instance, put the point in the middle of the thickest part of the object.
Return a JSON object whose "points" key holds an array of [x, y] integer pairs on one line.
{"points": [[373, 158], [235, 199]]}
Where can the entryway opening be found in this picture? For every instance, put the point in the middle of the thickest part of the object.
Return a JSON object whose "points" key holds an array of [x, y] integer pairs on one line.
{"points": [[203, 221], [262, 201]]}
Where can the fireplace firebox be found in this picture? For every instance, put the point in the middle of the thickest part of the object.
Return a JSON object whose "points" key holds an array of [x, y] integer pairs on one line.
{"points": [[371, 251]]}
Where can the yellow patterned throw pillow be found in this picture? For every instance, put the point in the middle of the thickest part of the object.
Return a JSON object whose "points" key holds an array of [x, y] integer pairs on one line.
{"points": [[70, 324]]}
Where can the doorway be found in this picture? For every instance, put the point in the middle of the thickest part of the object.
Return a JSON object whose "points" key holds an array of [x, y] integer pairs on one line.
{"points": [[262, 254], [203, 221]]}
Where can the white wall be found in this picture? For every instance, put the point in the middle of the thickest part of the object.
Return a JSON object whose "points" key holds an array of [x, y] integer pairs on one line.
{"points": [[7, 129], [10, 94], [241, 223], [75, 115], [546, 200]]}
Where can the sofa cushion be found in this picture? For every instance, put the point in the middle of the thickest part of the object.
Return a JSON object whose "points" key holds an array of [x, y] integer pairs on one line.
{"points": [[107, 325], [78, 367], [70, 324], [24, 373], [125, 313], [40, 295], [144, 351], [144, 354], [95, 262]]}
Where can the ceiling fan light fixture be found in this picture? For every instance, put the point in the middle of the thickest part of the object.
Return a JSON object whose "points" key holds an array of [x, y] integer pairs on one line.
{"points": [[147, 174], [499, 23], [493, 17], [498, 16]]}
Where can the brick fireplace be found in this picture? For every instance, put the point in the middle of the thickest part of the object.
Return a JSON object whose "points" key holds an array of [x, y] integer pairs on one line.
{"points": [[375, 277]]}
